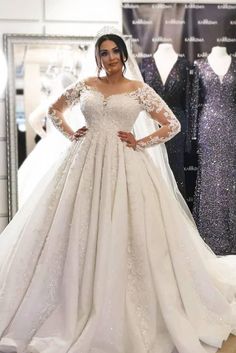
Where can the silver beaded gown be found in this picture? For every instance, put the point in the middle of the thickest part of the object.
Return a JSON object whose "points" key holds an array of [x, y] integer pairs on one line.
{"points": [[102, 258], [214, 115]]}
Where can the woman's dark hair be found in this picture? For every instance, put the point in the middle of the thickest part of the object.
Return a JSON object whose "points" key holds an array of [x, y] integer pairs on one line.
{"points": [[120, 44]]}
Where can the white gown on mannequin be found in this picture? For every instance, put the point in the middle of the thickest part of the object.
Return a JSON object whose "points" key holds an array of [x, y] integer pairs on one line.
{"points": [[38, 162], [103, 259], [50, 147]]}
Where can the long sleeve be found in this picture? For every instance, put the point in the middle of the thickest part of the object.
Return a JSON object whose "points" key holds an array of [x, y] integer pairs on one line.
{"points": [[188, 90], [195, 102], [161, 113], [68, 98]]}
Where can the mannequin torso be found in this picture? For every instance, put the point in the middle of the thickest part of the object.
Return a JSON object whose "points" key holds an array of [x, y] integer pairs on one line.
{"points": [[220, 61], [165, 58]]}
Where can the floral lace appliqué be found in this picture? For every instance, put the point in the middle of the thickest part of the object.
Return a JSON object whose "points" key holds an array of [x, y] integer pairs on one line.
{"points": [[69, 98], [152, 103]]}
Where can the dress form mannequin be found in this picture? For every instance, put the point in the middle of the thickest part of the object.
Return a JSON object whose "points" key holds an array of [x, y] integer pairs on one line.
{"points": [[165, 57], [168, 75], [219, 61], [52, 144], [214, 126], [36, 119]]}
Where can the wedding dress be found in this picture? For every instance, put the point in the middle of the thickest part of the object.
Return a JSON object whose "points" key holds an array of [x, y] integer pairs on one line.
{"points": [[103, 258], [52, 143]]}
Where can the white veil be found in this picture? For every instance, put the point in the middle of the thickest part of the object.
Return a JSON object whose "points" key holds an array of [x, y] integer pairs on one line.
{"points": [[144, 125]]}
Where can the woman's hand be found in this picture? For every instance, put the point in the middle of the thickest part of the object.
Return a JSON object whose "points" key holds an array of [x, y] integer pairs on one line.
{"points": [[80, 132], [129, 138]]}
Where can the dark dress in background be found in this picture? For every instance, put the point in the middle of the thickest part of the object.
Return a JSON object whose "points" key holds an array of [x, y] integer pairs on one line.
{"points": [[175, 93], [214, 126]]}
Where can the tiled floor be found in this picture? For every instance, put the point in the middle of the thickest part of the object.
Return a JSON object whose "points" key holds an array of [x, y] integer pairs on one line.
{"points": [[229, 346]]}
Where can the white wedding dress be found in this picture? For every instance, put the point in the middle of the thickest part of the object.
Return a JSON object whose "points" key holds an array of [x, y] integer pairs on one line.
{"points": [[103, 259], [43, 156], [52, 143], [38, 162]]}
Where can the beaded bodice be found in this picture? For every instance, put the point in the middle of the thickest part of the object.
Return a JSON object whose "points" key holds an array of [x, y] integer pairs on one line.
{"points": [[116, 112], [103, 113]]}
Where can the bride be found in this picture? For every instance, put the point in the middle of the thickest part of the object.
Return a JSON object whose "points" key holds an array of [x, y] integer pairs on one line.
{"points": [[103, 258]]}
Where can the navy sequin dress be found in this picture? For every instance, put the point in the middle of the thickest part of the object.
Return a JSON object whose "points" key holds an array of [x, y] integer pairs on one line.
{"points": [[175, 93], [214, 117]]}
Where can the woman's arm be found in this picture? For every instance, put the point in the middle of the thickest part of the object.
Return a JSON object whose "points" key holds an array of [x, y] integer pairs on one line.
{"points": [[55, 112], [36, 119], [159, 111]]}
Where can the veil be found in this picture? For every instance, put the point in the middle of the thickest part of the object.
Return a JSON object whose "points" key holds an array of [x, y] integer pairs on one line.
{"points": [[144, 124]]}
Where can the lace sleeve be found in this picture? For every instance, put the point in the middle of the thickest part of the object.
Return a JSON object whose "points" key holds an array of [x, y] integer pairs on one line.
{"points": [[159, 111], [68, 98]]}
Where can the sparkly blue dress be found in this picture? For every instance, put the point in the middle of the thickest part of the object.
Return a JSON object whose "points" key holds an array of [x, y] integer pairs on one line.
{"points": [[214, 126]]}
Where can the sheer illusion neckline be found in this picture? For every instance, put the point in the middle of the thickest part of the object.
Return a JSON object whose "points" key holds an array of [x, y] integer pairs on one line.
{"points": [[106, 97]]}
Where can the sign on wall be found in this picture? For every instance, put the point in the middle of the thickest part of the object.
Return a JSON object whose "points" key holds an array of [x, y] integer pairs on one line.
{"points": [[193, 29]]}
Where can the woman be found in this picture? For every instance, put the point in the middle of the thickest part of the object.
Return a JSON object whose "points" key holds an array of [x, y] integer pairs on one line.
{"points": [[103, 259]]}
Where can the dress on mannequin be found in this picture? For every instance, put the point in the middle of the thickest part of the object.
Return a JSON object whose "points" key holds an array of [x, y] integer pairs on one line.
{"points": [[168, 75], [214, 111], [52, 143], [220, 61]]}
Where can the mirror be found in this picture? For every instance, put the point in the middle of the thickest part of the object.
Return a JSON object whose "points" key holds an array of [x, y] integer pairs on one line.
{"points": [[39, 68]]}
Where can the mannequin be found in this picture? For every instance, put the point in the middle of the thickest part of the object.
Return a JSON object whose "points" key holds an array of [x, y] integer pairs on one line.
{"points": [[168, 75], [219, 61], [36, 118], [52, 143], [214, 126], [165, 58]]}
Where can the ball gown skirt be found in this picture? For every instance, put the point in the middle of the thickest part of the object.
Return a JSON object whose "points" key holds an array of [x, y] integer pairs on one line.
{"points": [[103, 259]]}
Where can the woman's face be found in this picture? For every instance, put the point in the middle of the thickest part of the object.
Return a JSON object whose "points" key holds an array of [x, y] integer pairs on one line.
{"points": [[110, 57]]}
